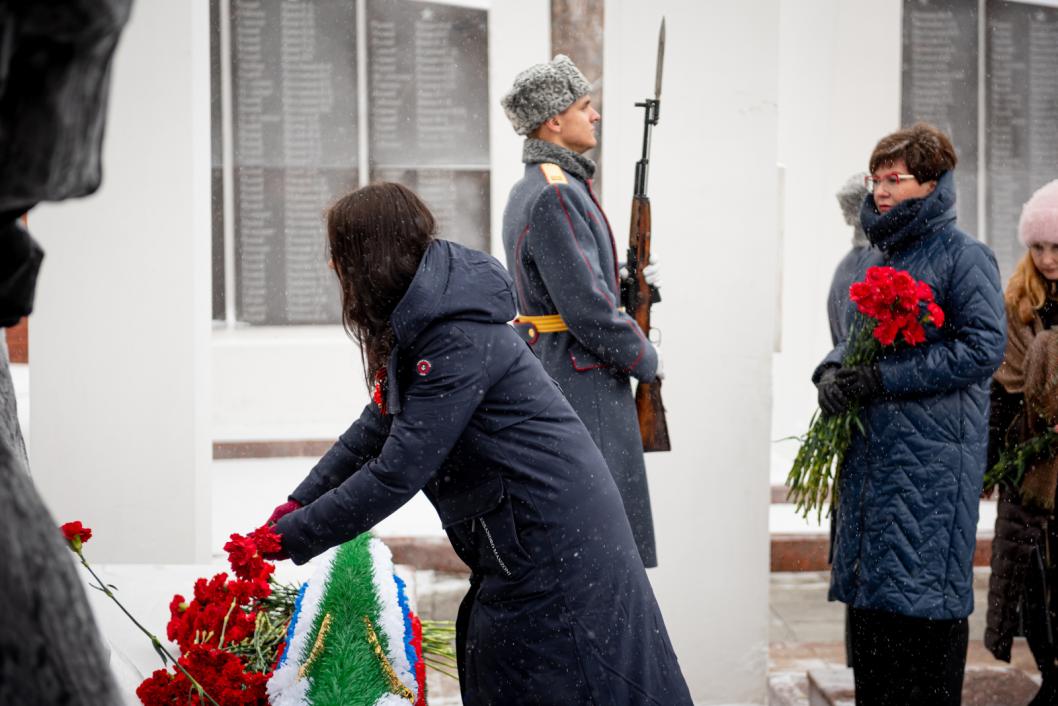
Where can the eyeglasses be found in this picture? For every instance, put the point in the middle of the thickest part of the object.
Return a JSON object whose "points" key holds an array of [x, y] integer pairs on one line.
{"points": [[891, 180]]}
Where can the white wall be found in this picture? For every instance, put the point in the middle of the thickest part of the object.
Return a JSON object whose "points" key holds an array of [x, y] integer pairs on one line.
{"points": [[713, 187], [119, 400], [519, 36], [839, 93]]}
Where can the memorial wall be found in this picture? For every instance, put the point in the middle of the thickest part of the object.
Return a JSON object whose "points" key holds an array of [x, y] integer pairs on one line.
{"points": [[1017, 100], [940, 82], [428, 98], [1022, 117], [296, 106]]}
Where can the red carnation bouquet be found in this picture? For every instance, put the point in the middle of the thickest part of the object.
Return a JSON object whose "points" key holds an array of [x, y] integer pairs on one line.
{"points": [[233, 630], [230, 632], [893, 309]]}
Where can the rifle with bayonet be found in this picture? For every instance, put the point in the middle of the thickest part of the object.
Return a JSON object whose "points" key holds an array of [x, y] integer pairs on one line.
{"points": [[638, 294]]}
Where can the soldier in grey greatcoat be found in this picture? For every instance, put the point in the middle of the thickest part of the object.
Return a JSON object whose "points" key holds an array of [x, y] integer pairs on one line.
{"points": [[562, 256]]}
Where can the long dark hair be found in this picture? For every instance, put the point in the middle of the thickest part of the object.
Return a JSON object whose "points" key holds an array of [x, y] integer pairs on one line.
{"points": [[377, 237]]}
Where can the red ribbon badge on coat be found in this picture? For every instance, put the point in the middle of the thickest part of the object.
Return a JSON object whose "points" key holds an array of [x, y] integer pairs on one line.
{"points": [[379, 393]]}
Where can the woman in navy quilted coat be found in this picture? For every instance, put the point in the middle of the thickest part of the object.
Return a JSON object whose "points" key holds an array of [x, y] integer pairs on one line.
{"points": [[907, 514], [559, 610]]}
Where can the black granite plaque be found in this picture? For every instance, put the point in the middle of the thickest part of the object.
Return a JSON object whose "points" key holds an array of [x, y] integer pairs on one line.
{"points": [[1021, 116], [295, 147], [427, 84], [216, 149], [939, 85], [428, 97], [458, 200], [295, 134]]}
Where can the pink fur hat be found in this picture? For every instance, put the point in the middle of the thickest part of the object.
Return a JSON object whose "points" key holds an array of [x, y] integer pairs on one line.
{"points": [[1039, 216]]}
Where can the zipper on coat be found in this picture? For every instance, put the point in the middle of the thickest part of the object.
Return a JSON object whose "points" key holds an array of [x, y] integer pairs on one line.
{"points": [[488, 535]]}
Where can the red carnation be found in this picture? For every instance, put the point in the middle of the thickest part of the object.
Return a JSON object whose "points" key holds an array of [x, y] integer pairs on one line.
{"points": [[220, 674], [219, 605], [76, 534], [266, 539], [894, 300], [246, 554]]}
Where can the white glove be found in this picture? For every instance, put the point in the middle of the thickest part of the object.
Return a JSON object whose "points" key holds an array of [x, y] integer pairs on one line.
{"points": [[659, 373], [651, 272]]}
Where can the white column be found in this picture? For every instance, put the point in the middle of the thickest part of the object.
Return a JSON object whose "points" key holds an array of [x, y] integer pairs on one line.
{"points": [[519, 36], [713, 189], [838, 95], [119, 337]]}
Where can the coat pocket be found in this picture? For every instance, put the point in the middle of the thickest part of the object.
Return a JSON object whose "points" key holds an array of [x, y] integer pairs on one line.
{"points": [[484, 515], [582, 359]]}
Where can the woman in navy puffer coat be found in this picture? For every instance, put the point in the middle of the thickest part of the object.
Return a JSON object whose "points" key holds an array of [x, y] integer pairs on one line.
{"points": [[560, 610], [907, 516]]}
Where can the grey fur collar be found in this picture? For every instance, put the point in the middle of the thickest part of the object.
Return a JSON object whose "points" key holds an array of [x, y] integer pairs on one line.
{"points": [[536, 151], [859, 238]]}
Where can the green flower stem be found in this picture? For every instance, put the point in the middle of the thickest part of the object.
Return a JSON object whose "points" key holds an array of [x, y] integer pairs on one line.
{"points": [[814, 478], [224, 625], [158, 647], [1015, 461]]}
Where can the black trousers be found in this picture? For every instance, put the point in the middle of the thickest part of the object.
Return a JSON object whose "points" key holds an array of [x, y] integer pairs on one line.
{"points": [[902, 661]]}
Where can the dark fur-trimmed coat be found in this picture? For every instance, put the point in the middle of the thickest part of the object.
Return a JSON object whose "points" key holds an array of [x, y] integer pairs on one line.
{"points": [[1026, 532]]}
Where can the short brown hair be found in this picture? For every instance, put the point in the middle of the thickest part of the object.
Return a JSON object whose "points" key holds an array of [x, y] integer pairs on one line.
{"points": [[926, 151]]}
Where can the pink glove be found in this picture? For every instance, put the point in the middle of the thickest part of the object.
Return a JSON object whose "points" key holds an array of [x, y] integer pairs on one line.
{"points": [[284, 509]]}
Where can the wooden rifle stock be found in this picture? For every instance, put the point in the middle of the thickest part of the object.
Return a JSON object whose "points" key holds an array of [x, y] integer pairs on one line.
{"points": [[653, 427], [639, 296]]}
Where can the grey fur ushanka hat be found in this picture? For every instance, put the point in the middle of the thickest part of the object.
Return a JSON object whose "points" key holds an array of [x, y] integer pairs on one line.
{"points": [[541, 91]]}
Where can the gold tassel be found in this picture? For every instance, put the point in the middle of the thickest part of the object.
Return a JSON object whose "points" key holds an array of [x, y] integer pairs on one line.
{"points": [[317, 647], [395, 684]]}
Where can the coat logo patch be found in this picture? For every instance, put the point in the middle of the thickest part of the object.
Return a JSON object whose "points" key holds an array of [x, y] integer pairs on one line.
{"points": [[423, 367]]}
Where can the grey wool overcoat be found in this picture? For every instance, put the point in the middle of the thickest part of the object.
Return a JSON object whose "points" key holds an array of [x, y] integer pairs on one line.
{"points": [[562, 256]]}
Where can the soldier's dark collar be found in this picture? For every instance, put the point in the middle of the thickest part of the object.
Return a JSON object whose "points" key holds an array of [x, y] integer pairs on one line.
{"points": [[536, 151]]}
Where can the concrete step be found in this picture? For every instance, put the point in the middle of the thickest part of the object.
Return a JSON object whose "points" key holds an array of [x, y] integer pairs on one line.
{"points": [[788, 689], [789, 552], [983, 686]]}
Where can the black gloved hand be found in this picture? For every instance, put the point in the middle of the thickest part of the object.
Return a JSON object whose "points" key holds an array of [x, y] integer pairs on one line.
{"points": [[860, 383], [832, 399]]}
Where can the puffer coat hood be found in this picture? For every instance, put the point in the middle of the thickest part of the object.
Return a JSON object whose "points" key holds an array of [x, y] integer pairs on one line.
{"points": [[910, 221], [453, 282]]}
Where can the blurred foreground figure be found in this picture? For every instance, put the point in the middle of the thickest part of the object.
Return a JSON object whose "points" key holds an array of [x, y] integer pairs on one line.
{"points": [[560, 610], [54, 75]]}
